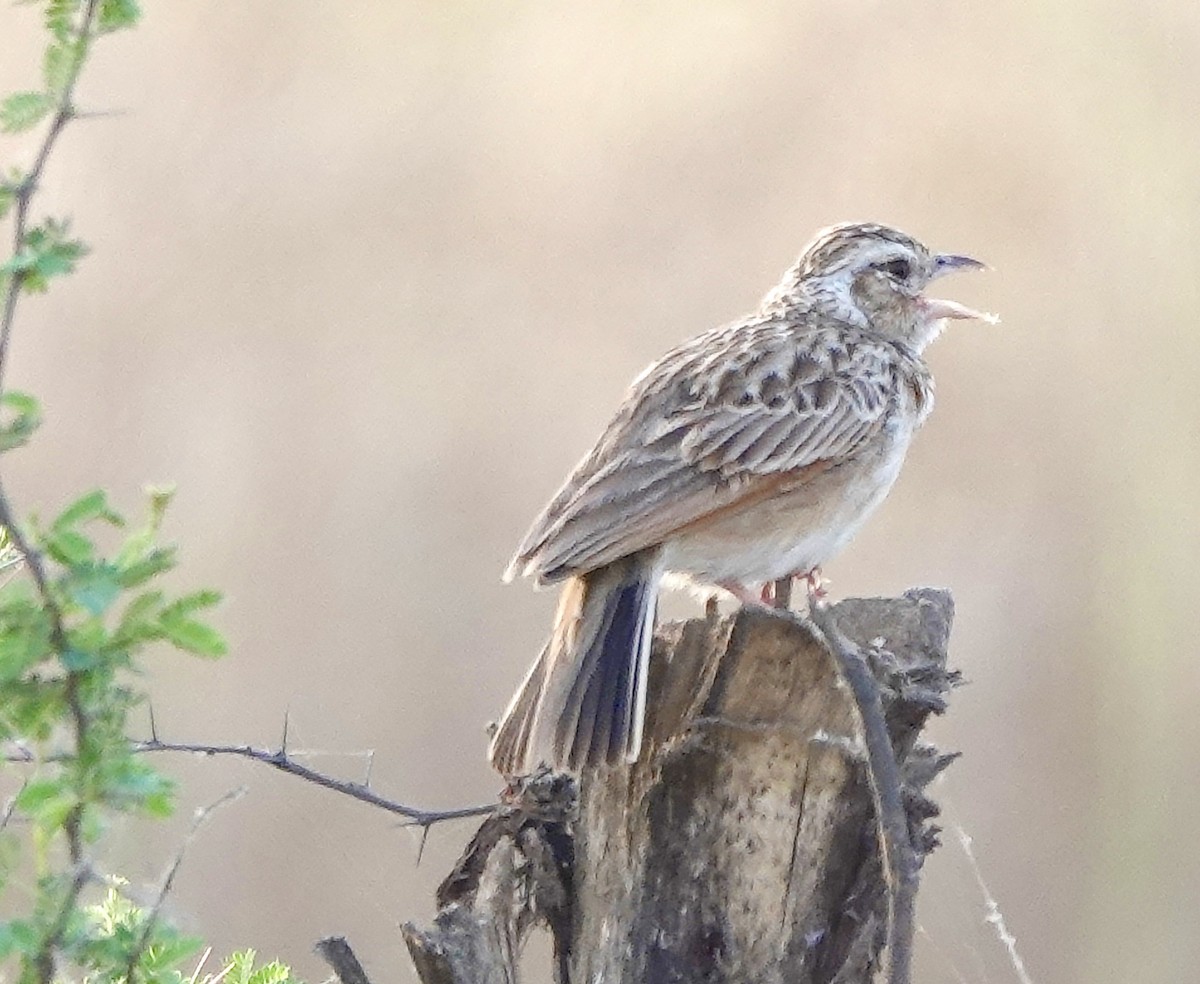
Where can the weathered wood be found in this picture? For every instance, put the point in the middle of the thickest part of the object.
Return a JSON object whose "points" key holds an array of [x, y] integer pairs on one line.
{"points": [[741, 848], [336, 952]]}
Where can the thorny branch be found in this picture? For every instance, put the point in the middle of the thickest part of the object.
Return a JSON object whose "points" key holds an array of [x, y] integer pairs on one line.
{"points": [[898, 858], [280, 759]]}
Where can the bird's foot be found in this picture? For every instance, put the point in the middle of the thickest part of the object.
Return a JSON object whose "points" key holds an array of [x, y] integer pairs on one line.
{"points": [[815, 582], [749, 595], [777, 594]]}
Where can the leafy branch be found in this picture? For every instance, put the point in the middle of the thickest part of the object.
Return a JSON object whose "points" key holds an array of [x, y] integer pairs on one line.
{"points": [[46, 251], [75, 620], [80, 606]]}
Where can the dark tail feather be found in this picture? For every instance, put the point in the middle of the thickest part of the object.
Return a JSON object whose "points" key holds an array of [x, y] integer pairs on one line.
{"points": [[584, 700]]}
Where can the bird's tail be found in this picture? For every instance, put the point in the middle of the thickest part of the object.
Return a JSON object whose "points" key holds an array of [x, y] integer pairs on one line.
{"points": [[584, 700]]}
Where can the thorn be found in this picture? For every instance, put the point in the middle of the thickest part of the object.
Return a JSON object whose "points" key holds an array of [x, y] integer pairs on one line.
{"points": [[370, 753], [97, 114], [153, 724], [424, 839], [284, 740]]}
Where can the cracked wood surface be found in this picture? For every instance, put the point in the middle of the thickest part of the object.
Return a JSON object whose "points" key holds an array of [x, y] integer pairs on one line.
{"points": [[741, 848]]}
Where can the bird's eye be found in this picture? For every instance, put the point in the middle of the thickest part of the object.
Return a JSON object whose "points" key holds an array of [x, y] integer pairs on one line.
{"points": [[897, 269]]}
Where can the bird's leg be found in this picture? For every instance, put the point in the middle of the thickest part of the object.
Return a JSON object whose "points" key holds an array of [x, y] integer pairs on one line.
{"points": [[781, 593], [747, 595], [815, 581]]}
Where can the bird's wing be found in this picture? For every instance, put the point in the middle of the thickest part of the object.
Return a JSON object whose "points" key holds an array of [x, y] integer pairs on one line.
{"points": [[725, 420]]}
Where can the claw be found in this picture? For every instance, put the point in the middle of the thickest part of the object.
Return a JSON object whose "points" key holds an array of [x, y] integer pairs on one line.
{"points": [[815, 582]]}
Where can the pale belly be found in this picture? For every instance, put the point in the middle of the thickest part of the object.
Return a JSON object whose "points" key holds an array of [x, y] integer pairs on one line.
{"points": [[792, 532]]}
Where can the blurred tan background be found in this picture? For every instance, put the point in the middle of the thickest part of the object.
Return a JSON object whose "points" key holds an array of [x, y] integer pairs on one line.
{"points": [[368, 278]]}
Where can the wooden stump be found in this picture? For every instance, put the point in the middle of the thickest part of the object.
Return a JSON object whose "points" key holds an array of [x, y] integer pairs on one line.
{"points": [[741, 848]]}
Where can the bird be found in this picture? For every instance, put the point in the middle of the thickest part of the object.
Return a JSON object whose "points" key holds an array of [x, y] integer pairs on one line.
{"points": [[748, 454]]}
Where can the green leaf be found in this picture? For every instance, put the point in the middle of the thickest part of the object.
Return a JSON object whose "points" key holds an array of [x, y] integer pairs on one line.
{"points": [[189, 603], [60, 15], [241, 970], [139, 621], [194, 637], [272, 973], [24, 110], [18, 936], [22, 403], [115, 15], [241, 966], [138, 785], [94, 589], [78, 660], [69, 547], [30, 711], [85, 507], [160, 497], [24, 638], [132, 572], [58, 259], [86, 644], [60, 63], [47, 251], [46, 801], [20, 416], [166, 949]]}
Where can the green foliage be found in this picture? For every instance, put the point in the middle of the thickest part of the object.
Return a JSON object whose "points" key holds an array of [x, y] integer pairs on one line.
{"points": [[116, 15], [113, 927], [60, 17], [243, 971], [60, 64], [20, 415], [47, 251], [83, 604], [240, 969], [24, 110]]}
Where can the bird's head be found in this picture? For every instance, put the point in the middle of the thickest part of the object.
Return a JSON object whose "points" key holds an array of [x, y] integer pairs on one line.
{"points": [[875, 277]]}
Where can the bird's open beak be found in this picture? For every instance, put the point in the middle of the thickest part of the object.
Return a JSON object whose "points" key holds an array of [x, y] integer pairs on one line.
{"points": [[945, 263], [936, 308]]}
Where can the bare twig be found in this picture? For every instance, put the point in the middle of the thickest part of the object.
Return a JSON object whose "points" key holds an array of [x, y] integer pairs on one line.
{"points": [[198, 820], [11, 806], [994, 916], [336, 952], [279, 759], [898, 859]]}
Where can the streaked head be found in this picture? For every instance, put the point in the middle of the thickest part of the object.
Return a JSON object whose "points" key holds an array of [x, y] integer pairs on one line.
{"points": [[875, 276]]}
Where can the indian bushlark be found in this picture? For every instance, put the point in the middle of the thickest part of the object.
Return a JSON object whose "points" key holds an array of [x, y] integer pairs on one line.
{"points": [[750, 453]]}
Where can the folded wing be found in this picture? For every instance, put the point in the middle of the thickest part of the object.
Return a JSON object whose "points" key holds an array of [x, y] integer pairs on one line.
{"points": [[728, 416]]}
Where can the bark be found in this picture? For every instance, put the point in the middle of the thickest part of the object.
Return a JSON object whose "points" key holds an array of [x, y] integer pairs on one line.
{"points": [[742, 846]]}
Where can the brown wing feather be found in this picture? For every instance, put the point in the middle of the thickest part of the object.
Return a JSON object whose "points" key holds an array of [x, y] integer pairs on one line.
{"points": [[721, 421]]}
